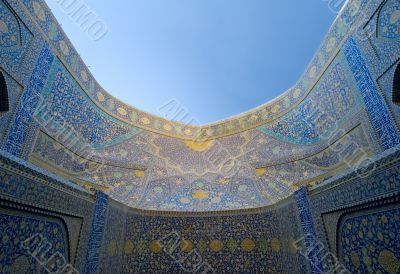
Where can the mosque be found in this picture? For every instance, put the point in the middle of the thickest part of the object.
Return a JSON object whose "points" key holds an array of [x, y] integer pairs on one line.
{"points": [[306, 183]]}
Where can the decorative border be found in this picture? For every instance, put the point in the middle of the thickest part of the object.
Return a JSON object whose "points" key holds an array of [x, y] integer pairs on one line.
{"points": [[69, 200], [56, 67], [60, 217], [96, 234], [396, 85], [338, 32], [20, 126], [13, 164], [18, 94], [373, 205], [309, 231], [377, 109]]}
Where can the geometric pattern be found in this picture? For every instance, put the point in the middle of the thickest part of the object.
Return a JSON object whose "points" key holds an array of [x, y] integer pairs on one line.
{"points": [[377, 110], [9, 27], [68, 106], [16, 230], [96, 234], [15, 38], [23, 119], [146, 169], [283, 133], [239, 243], [330, 101], [13, 97], [370, 242], [367, 200], [254, 118], [389, 20], [309, 232]]}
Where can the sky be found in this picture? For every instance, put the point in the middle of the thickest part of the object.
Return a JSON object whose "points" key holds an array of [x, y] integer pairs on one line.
{"points": [[217, 58]]}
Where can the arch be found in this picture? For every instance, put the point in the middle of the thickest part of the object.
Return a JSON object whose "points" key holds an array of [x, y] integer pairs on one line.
{"points": [[396, 86], [4, 101]]}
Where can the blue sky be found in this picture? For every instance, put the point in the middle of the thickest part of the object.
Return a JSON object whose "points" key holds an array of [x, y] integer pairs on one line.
{"points": [[218, 58]]}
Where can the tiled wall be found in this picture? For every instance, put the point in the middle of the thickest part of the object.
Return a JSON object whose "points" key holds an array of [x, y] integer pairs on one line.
{"points": [[144, 162], [64, 122]]}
